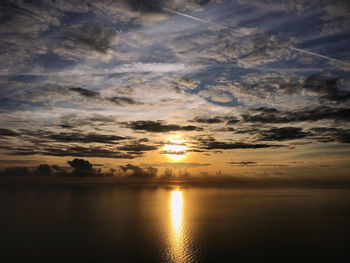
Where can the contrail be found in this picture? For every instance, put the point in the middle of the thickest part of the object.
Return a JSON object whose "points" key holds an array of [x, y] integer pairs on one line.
{"points": [[203, 21], [241, 34], [318, 55]]}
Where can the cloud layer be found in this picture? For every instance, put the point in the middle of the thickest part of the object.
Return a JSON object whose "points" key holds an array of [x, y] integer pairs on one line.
{"points": [[122, 79]]}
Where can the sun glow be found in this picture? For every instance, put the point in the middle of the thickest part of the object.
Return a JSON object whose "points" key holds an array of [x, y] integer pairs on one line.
{"points": [[176, 149]]}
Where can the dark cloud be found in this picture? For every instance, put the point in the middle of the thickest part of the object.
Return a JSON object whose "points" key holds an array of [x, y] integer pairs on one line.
{"points": [[23, 22], [327, 134], [96, 120], [244, 163], [268, 85], [66, 126], [158, 126], [23, 152], [137, 147], [137, 171], [225, 129], [7, 132], [254, 164], [212, 120], [71, 150], [146, 6], [44, 169], [85, 152], [122, 100], [283, 134], [81, 167], [212, 144], [85, 92], [326, 87], [92, 36], [81, 39], [232, 120], [155, 6], [237, 145], [49, 136], [322, 85], [75, 144], [80, 164], [20, 161], [15, 171], [216, 119], [85, 138], [272, 115]]}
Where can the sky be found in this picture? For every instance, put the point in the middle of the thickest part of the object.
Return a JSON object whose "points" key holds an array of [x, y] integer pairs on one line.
{"points": [[246, 88]]}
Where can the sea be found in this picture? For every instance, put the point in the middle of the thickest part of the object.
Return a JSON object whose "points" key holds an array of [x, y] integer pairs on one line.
{"points": [[173, 223]]}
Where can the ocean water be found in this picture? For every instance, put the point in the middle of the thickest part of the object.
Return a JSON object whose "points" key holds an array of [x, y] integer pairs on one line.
{"points": [[174, 224]]}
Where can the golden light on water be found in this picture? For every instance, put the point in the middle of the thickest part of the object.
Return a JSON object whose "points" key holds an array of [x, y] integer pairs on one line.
{"points": [[176, 212], [176, 149], [177, 247]]}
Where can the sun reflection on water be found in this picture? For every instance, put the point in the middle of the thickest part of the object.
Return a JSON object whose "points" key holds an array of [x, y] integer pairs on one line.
{"points": [[176, 213], [177, 246]]}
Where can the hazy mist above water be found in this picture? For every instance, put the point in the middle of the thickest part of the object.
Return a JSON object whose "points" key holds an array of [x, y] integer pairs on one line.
{"points": [[171, 224]]}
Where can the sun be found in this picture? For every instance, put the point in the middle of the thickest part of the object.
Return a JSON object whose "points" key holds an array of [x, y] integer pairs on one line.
{"points": [[175, 149]]}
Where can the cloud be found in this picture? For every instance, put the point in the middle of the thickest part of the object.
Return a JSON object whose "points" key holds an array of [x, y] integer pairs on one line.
{"points": [[283, 134], [216, 120], [137, 147], [8, 132], [155, 6], [212, 144], [326, 87], [90, 78], [137, 171], [336, 18], [232, 120], [272, 115], [328, 134], [78, 151], [123, 100], [16, 171], [282, 86], [16, 162], [84, 39], [299, 6], [44, 142], [243, 163], [208, 120], [92, 73], [265, 87], [81, 167], [254, 164], [85, 92], [91, 120], [85, 138], [262, 49], [218, 94], [68, 137], [158, 126], [43, 169]]}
